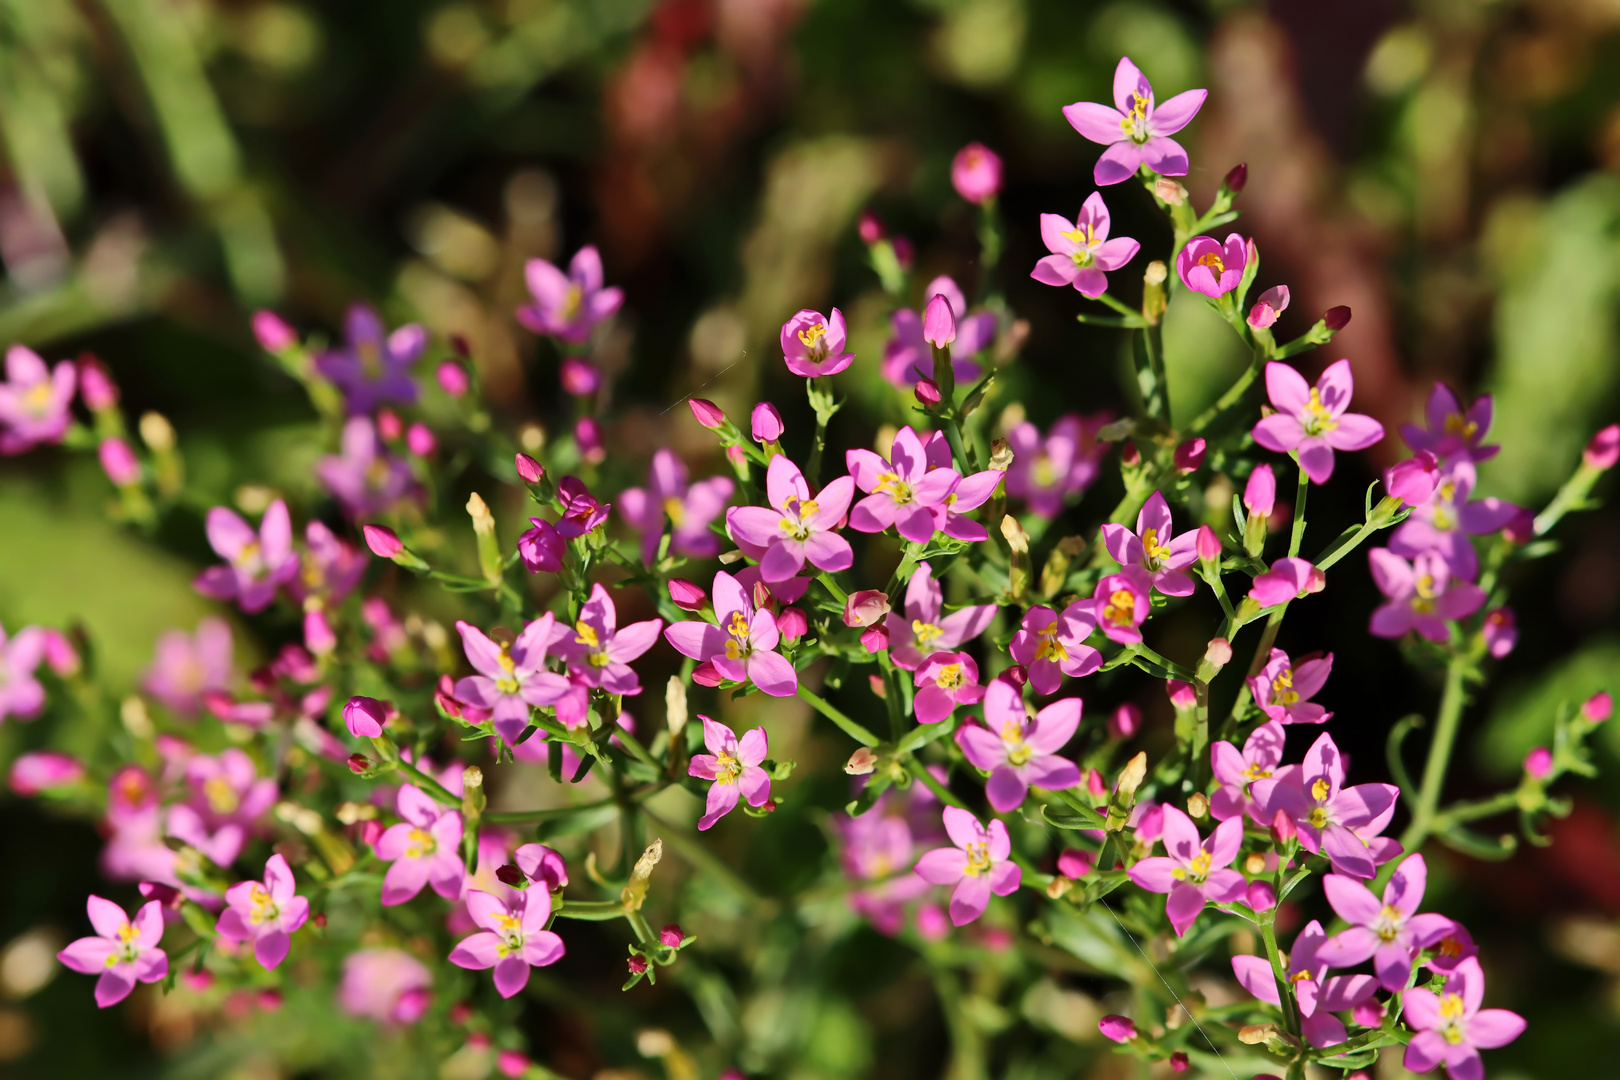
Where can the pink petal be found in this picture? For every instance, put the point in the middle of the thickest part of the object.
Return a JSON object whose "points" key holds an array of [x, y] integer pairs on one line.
{"points": [[1183, 906], [969, 899], [1279, 432], [511, 975], [1171, 116], [1117, 164], [942, 866], [1096, 122], [1165, 156]]}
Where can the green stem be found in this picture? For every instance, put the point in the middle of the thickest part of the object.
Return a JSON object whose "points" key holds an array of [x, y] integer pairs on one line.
{"points": [[967, 1043], [1279, 971], [1452, 701], [953, 435], [837, 593], [1301, 491], [1569, 497], [1229, 400], [848, 726], [530, 817], [422, 780]]}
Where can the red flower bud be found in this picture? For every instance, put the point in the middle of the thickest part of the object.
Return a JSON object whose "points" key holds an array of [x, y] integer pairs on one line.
{"points": [[1130, 456], [510, 876], [389, 426], [638, 965], [1017, 675], [687, 595], [927, 392], [383, 541], [1336, 318], [904, 253], [359, 763], [1237, 178], [708, 413], [870, 227], [875, 639], [1189, 455], [672, 935], [1179, 1062]]}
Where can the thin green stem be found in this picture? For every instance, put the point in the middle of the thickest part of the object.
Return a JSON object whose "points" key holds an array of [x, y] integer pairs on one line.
{"points": [[1279, 971], [1301, 491], [848, 726], [953, 435], [531, 817], [967, 1043], [833, 590], [1452, 701]]}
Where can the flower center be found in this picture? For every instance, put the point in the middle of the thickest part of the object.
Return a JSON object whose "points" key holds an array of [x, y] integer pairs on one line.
{"points": [[222, 798], [418, 843], [726, 768], [37, 399], [1389, 923], [1196, 870], [1458, 424], [1018, 751], [507, 683], [511, 932], [1049, 647], [1154, 550], [1256, 771], [572, 300], [897, 489], [586, 635], [676, 509], [1121, 608], [1318, 420], [263, 907], [1282, 688], [813, 338], [797, 525], [1134, 123], [738, 646], [1087, 239], [978, 862], [1043, 472], [1213, 260], [949, 677], [926, 633]]}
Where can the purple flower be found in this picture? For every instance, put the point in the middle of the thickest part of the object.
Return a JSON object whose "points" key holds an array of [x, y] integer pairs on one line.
{"points": [[1283, 689], [568, 306], [43, 770], [1121, 604], [813, 345], [1446, 521], [331, 567], [265, 913], [1311, 420], [742, 648], [1272, 303], [376, 365], [923, 629], [387, 985], [1421, 595], [1135, 131], [1319, 997], [689, 507], [1500, 631], [1210, 267], [977, 865], [906, 494], [511, 676], [513, 938], [733, 765], [542, 548], [257, 563], [1391, 933], [1120, 1029], [1154, 547], [1341, 823], [365, 479], [976, 173], [228, 798], [1452, 429], [581, 512], [1451, 1027], [1237, 771], [795, 528], [34, 402], [944, 681], [1288, 579], [908, 357], [1081, 250], [423, 848], [1047, 470], [123, 951], [1193, 873], [21, 695], [1019, 752], [597, 652], [1051, 646]]}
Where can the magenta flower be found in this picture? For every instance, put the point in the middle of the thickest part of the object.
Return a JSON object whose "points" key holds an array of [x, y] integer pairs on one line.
{"points": [[976, 173], [1121, 604], [1422, 595], [386, 985], [908, 357], [795, 528], [1051, 646], [813, 345], [512, 676], [923, 629], [331, 567], [1154, 548], [1391, 934], [1451, 1027], [1413, 481], [1287, 579], [542, 548], [1018, 752], [1135, 130], [742, 648], [733, 765], [1210, 267], [1311, 420], [906, 494], [765, 423], [978, 865], [266, 913], [376, 365], [1340, 823], [568, 306], [513, 937], [123, 951], [1272, 303], [1081, 250], [1193, 873], [968, 494], [1500, 631], [542, 865], [690, 508], [21, 695], [365, 479], [581, 512], [945, 680], [34, 401], [598, 652], [1237, 771], [1319, 997], [1446, 521], [423, 848], [1120, 1029], [1452, 429], [257, 563], [1283, 689], [228, 798], [43, 770], [1047, 470]]}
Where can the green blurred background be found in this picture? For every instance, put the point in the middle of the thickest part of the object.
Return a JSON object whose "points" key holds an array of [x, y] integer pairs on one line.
{"points": [[1450, 169]]}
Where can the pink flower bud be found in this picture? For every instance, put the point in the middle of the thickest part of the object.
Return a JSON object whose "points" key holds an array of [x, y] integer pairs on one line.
{"points": [[389, 425], [269, 1000], [358, 763], [1538, 763], [383, 541], [1017, 675], [976, 173], [1124, 721], [42, 770], [1368, 1014], [1337, 318], [1599, 707], [1180, 1062], [419, 440], [118, 461], [927, 390], [365, 717], [1272, 303], [1130, 456], [96, 387], [510, 876], [1189, 455], [904, 253], [1283, 830], [866, 608], [672, 936], [638, 965], [1118, 1028], [588, 437], [274, 332], [1096, 786], [60, 654], [529, 470], [1209, 544], [875, 639], [1260, 493], [792, 623], [1074, 863], [579, 377], [708, 413], [687, 595], [766, 423], [1521, 528], [453, 379], [318, 636], [1412, 481], [1218, 652], [1260, 896], [939, 322], [1604, 449], [1235, 180], [512, 1063], [1501, 632], [1182, 696], [870, 227], [736, 456]]}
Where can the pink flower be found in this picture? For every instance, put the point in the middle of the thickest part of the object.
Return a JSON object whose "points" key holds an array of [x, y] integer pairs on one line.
{"points": [[923, 629], [1421, 595], [423, 848], [1603, 449], [386, 985], [1121, 604], [598, 652], [189, 665], [579, 377], [542, 548], [795, 528], [977, 865], [1272, 303], [365, 717], [541, 865], [119, 462], [375, 366], [1154, 547], [976, 173], [939, 322], [365, 479], [1051, 646], [690, 508], [1288, 579], [866, 607], [1193, 873], [813, 345], [1238, 771], [1341, 823], [733, 765], [513, 938], [944, 681], [257, 563], [228, 799], [1598, 708], [1047, 470], [907, 494], [907, 356], [568, 306], [122, 952], [1311, 420], [1283, 689], [21, 695], [1081, 251], [1413, 481], [1500, 631], [273, 333], [742, 648], [581, 512], [1135, 130], [266, 913], [1452, 430], [1319, 997], [43, 770], [1452, 1028], [1018, 752], [1448, 518], [512, 676], [35, 401], [765, 423], [1210, 267], [1391, 933]]}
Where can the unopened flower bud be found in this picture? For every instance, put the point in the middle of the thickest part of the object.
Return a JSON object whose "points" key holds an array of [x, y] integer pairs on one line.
{"points": [[1124, 721], [472, 778], [875, 639], [1538, 763], [1413, 481], [1598, 708], [1180, 1062], [579, 378], [766, 423], [1017, 539], [365, 717], [939, 322], [1236, 178], [453, 379], [792, 623], [512, 1063], [638, 965], [1272, 303], [1283, 830], [588, 437], [862, 762], [672, 936], [1132, 775], [870, 228], [1218, 652], [866, 607], [1208, 544], [60, 654], [1604, 449], [1169, 191], [1336, 318], [1074, 863], [358, 763], [1001, 455], [156, 432], [707, 413], [1521, 528], [420, 440], [1260, 896], [1255, 1034], [510, 876], [1130, 456], [675, 715], [273, 332], [1182, 695], [879, 688], [383, 541], [976, 173], [688, 596], [1260, 493], [927, 393], [318, 636], [1017, 675], [118, 461], [528, 469], [96, 387], [389, 425], [1189, 456], [904, 252], [1198, 806], [1369, 1014], [1254, 863], [1120, 1029]]}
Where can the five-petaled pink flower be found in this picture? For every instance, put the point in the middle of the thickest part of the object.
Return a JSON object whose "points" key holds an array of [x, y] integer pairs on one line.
{"points": [[568, 306], [1046, 470], [689, 507], [1154, 547], [423, 848], [1451, 1027], [1019, 752], [970, 492], [1311, 420], [1081, 250], [733, 765], [123, 951], [376, 365], [266, 913], [1238, 770], [258, 563], [598, 652], [1448, 518], [34, 401], [511, 675], [514, 937], [944, 681], [1050, 645], [905, 493], [1452, 429], [1136, 130], [742, 648], [1208, 266], [1389, 933], [1193, 873], [923, 628], [581, 512], [978, 865], [908, 357], [1122, 603], [813, 345], [1283, 689], [1421, 595], [795, 528], [1341, 823], [1319, 997]]}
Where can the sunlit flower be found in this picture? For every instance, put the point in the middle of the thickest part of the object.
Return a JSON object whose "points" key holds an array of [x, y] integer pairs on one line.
{"points": [[1137, 130], [733, 766]]}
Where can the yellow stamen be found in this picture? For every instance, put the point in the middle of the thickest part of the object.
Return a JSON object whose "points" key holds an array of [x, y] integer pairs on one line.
{"points": [[949, 677], [1282, 688], [1318, 420], [925, 633], [1121, 608], [978, 860]]}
